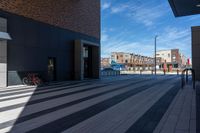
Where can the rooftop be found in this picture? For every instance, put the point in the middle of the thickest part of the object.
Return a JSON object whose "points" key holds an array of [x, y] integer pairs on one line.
{"points": [[185, 7]]}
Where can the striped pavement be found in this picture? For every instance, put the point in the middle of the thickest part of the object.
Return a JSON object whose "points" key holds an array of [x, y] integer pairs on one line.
{"points": [[121, 104]]}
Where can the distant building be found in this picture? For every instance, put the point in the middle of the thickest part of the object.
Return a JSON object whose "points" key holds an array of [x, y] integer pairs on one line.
{"points": [[131, 60], [184, 60], [172, 58]]}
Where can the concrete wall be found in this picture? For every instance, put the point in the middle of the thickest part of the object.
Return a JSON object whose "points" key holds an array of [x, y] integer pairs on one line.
{"points": [[33, 42], [196, 51], [3, 54], [78, 15]]}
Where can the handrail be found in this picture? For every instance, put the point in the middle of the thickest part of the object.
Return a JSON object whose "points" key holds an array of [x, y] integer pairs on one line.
{"points": [[183, 77]]}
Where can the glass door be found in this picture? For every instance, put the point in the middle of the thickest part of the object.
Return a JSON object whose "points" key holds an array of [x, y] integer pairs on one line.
{"points": [[52, 69]]}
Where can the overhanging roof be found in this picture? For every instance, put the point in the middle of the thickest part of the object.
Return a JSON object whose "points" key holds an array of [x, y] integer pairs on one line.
{"points": [[185, 7], [4, 36]]}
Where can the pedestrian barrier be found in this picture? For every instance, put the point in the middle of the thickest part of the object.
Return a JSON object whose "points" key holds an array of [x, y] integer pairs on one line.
{"points": [[110, 73]]}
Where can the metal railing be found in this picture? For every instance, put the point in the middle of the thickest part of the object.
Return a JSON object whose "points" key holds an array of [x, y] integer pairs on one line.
{"points": [[185, 75], [110, 73]]}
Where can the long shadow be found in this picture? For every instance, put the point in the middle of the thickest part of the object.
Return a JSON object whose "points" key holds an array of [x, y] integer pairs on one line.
{"points": [[47, 100]]}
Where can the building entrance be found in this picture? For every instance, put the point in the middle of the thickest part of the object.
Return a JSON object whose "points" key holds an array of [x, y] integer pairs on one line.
{"points": [[86, 60], [87, 57], [52, 69]]}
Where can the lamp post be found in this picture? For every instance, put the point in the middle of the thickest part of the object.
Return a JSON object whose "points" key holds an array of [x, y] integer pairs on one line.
{"points": [[155, 51], [131, 60]]}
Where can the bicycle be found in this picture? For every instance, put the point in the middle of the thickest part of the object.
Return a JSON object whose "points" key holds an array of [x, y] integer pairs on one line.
{"points": [[32, 79]]}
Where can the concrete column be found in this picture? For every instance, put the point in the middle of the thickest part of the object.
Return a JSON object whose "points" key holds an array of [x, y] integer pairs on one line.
{"points": [[95, 61], [195, 51], [3, 55], [78, 60]]}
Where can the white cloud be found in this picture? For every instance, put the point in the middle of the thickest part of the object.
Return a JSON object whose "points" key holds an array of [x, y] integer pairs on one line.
{"points": [[105, 5], [147, 15], [143, 13], [118, 43], [119, 8]]}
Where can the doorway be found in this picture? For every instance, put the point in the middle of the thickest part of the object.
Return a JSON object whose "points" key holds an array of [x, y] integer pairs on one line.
{"points": [[51, 68], [87, 59]]}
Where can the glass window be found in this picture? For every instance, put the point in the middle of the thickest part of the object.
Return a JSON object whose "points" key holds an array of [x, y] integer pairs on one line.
{"points": [[85, 51]]}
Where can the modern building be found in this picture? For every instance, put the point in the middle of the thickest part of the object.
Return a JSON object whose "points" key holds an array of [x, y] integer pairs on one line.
{"points": [[59, 40], [196, 50], [172, 57], [132, 60], [185, 8]]}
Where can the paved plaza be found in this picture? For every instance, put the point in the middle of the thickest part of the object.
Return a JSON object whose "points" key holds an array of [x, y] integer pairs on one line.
{"points": [[120, 104]]}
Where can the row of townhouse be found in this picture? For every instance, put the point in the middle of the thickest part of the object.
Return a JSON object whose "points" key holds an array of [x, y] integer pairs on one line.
{"points": [[131, 59]]}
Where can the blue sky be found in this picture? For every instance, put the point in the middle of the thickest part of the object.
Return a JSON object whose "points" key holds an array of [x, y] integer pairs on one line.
{"points": [[130, 26]]}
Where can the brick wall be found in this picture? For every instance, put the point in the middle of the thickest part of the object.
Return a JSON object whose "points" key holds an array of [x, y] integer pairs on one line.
{"points": [[78, 15]]}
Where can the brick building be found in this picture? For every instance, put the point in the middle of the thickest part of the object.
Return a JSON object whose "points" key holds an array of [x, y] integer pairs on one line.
{"points": [[171, 57], [60, 40], [132, 60]]}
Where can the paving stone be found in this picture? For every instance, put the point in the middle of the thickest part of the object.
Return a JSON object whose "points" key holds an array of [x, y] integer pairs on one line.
{"points": [[181, 131]]}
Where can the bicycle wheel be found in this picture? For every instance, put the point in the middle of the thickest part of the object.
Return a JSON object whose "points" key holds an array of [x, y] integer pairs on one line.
{"points": [[38, 81], [26, 81]]}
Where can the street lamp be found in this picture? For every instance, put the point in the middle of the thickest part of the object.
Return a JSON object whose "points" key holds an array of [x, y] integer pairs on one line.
{"points": [[131, 61], [155, 51]]}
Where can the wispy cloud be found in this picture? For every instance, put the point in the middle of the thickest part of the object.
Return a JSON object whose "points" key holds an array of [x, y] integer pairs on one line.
{"points": [[105, 5], [135, 23], [170, 38], [173, 37], [147, 14], [119, 43], [143, 13], [120, 8], [104, 37]]}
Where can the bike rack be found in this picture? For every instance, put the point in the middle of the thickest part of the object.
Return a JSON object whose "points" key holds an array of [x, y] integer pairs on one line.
{"points": [[183, 77]]}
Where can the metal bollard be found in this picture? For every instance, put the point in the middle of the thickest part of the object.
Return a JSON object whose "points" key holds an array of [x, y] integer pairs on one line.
{"points": [[193, 79], [182, 79], [186, 76], [177, 72]]}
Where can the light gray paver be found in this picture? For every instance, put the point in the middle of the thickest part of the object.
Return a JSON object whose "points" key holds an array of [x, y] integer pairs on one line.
{"points": [[110, 120], [180, 117]]}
